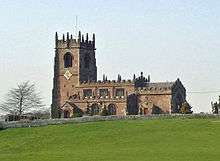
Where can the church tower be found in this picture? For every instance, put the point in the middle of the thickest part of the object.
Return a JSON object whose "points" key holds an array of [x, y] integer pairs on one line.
{"points": [[74, 63]]}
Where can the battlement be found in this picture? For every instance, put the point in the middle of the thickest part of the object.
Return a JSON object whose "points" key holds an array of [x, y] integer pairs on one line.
{"points": [[68, 41], [153, 89], [138, 82], [156, 88], [107, 83]]}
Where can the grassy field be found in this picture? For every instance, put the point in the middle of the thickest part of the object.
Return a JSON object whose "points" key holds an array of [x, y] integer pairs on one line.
{"points": [[134, 140]]}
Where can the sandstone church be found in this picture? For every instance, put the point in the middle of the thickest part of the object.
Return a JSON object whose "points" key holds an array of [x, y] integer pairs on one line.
{"points": [[77, 92]]}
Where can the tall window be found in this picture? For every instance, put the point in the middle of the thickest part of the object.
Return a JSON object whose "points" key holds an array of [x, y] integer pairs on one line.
{"points": [[111, 109], [87, 92], [87, 61], [68, 60], [120, 92], [95, 109], [103, 92]]}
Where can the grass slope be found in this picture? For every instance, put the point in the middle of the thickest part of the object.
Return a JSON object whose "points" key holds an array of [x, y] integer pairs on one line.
{"points": [[134, 140]]}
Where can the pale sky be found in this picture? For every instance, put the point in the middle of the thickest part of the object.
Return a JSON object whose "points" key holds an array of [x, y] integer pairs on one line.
{"points": [[167, 39]]}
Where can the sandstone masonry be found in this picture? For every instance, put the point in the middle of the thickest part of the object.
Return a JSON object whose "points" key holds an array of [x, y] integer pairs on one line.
{"points": [[76, 90]]}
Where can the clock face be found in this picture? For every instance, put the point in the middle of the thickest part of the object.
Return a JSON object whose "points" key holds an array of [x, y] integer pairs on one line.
{"points": [[67, 74]]}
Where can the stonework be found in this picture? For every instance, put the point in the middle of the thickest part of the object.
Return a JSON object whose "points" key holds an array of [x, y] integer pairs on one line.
{"points": [[77, 92]]}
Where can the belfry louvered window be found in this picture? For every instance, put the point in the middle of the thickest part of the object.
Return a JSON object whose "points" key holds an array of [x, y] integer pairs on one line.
{"points": [[87, 61], [68, 60]]}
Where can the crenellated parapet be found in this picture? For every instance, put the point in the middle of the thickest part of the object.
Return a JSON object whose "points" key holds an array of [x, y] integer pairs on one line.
{"points": [[67, 41], [156, 88], [141, 81], [107, 83]]}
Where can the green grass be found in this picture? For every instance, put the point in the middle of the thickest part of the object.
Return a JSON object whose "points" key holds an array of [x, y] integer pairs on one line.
{"points": [[134, 140]]}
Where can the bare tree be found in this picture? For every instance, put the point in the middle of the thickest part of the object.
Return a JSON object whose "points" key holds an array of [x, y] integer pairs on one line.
{"points": [[21, 99]]}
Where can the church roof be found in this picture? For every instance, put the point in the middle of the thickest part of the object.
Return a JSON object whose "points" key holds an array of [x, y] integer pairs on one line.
{"points": [[163, 85], [70, 103]]}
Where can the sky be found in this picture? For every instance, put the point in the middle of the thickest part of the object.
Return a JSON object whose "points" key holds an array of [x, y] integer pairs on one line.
{"points": [[167, 39]]}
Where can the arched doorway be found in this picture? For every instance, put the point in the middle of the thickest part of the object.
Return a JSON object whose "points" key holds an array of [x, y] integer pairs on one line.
{"points": [[111, 109], [66, 114], [146, 111], [95, 109]]}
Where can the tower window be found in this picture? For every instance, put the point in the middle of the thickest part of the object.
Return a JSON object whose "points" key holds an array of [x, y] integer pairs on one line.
{"points": [[68, 60], [87, 61]]}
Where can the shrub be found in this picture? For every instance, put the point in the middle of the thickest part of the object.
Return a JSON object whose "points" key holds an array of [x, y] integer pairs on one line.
{"points": [[1, 126]]}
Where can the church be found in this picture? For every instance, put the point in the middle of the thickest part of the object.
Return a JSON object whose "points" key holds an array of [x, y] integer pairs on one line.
{"points": [[77, 92]]}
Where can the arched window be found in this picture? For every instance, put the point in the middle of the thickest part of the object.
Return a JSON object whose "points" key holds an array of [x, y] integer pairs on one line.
{"points": [[68, 60], [95, 109], [87, 61], [111, 109]]}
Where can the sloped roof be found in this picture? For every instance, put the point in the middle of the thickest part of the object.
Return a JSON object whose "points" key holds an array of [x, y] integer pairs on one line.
{"points": [[70, 103]]}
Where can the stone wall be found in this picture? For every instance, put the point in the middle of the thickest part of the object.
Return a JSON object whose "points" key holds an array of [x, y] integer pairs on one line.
{"points": [[148, 101], [35, 123]]}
